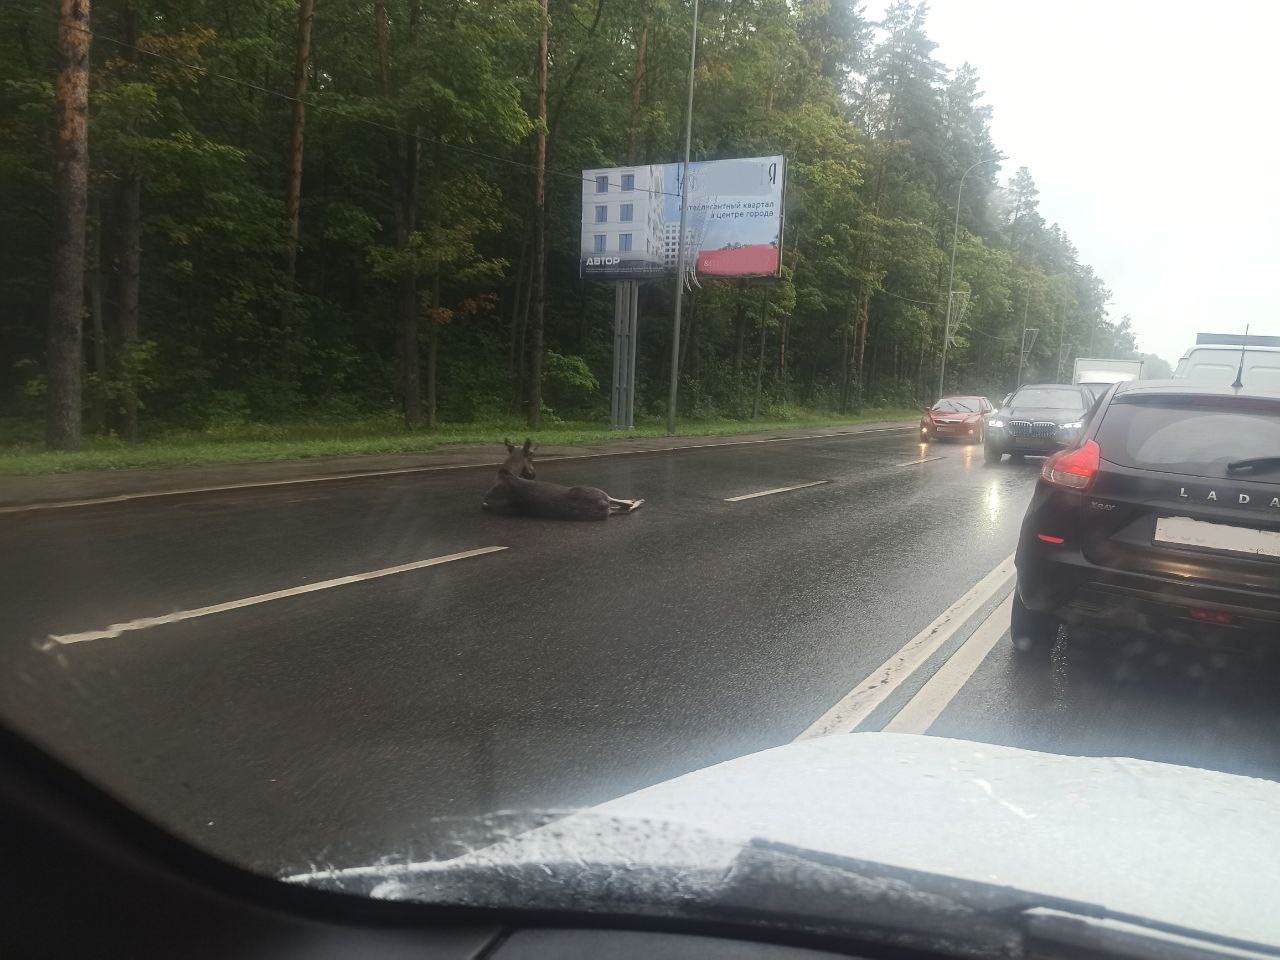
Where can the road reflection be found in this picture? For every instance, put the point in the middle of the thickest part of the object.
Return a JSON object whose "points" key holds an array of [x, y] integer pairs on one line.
{"points": [[1111, 694], [992, 501]]}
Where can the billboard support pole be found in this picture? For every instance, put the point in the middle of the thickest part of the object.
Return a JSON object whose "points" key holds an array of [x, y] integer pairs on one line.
{"points": [[626, 320], [680, 251], [615, 398], [632, 338]]}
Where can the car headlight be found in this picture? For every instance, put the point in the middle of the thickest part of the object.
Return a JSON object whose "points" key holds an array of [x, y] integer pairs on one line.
{"points": [[997, 423], [1072, 426]]}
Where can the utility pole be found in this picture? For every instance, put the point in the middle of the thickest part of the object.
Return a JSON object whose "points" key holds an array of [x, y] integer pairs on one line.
{"points": [[680, 242], [951, 283], [1029, 335]]}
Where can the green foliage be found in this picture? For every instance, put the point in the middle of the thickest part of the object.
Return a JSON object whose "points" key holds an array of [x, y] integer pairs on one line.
{"points": [[877, 133], [232, 441], [571, 388]]}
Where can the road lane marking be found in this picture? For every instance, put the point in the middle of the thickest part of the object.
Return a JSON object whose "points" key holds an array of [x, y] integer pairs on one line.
{"points": [[940, 689], [145, 623], [767, 493], [856, 705], [912, 463], [437, 468]]}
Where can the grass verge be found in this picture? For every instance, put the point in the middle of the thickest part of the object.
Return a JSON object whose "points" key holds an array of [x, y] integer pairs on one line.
{"points": [[246, 443]]}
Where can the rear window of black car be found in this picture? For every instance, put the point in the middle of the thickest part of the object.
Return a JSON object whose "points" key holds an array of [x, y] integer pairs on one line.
{"points": [[1197, 436], [1049, 398]]}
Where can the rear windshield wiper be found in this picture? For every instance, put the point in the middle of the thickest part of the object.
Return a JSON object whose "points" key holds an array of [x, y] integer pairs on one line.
{"points": [[1254, 463]]}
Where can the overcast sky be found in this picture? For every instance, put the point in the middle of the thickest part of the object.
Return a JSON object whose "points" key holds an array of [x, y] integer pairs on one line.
{"points": [[1150, 130]]}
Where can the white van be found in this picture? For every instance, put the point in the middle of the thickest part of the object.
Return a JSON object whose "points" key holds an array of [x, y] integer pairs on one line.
{"points": [[1215, 359]]}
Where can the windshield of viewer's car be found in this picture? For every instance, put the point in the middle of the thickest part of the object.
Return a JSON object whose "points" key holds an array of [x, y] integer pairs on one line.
{"points": [[422, 423]]}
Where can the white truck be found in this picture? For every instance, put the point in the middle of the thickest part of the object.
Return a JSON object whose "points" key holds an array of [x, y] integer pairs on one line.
{"points": [[1097, 373], [1218, 358]]}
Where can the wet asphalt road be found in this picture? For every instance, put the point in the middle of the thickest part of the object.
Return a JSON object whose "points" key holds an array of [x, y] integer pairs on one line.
{"points": [[582, 662]]}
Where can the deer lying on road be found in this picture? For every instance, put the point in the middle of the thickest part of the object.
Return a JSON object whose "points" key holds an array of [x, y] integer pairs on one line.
{"points": [[518, 492]]}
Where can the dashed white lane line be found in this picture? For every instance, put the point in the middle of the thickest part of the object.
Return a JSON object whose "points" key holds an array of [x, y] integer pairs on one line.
{"points": [[858, 703], [912, 463], [145, 623], [768, 493], [929, 702]]}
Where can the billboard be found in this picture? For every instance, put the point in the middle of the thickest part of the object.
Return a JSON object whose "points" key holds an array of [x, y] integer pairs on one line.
{"points": [[733, 228]]}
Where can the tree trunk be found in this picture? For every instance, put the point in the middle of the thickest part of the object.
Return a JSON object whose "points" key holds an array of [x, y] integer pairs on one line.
{"points": [[782, 349], [526, 304], [739, 352], [764, 316], [293, 178], [382, 39], [920, 390], [739, 333], [66, 262], [407, 287], [863, 321], [404, 205], [846, 352], [433, 347], [128, 263], [568, 85], [537, 329], [98, 403], [514, 359], [637, 85]]}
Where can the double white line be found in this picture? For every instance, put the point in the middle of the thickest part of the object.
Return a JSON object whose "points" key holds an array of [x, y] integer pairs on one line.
{"points": [[925, 707]]}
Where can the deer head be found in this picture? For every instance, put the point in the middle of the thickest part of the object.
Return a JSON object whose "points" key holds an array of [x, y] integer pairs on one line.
{"points": [[519, 460]]}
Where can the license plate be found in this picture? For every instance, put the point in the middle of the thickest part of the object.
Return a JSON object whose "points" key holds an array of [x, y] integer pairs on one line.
{"points": [[1186, 532], [941, 429]]}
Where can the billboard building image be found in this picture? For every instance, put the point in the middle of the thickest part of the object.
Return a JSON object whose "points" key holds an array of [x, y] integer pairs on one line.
{"points": [[622, 222]]}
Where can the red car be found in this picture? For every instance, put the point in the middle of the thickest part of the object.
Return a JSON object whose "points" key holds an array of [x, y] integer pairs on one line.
{"points": [[958, 418]]}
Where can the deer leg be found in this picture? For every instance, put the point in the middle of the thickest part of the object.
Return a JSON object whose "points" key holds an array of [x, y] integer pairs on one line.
{"points": [[623, 506]]}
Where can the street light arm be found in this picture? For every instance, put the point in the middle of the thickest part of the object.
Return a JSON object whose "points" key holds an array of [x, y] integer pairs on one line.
{"points": [[681, 253], [951, 282]]}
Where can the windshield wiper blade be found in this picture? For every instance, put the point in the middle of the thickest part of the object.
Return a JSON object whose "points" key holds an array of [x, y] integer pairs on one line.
{"points": [[1133, 941], [1253, 463]]}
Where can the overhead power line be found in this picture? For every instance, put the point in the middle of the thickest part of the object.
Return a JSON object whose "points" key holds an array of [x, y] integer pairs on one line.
{"points": [[923, 303]]}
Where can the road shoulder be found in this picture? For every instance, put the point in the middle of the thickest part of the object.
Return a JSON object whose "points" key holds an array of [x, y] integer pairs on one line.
{"points": [[17, 493]]}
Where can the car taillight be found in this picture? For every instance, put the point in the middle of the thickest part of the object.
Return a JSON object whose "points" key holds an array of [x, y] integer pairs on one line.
{"points": [[1073, 469]]}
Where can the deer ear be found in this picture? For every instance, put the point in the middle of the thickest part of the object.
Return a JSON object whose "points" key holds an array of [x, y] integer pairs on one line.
{"points": [[528, 446], [511, 447]]}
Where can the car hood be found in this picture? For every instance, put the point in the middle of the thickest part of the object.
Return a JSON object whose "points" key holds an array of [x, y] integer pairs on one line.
{"points": [[1176, 845], [944, 415]]}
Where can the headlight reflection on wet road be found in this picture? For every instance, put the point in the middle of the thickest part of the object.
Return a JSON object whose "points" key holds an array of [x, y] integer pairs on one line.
{"points": [[993, 502]]}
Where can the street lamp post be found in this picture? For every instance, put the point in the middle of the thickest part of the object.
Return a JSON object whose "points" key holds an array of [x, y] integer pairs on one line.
{"points": [[680, 242], [951, 283]]}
